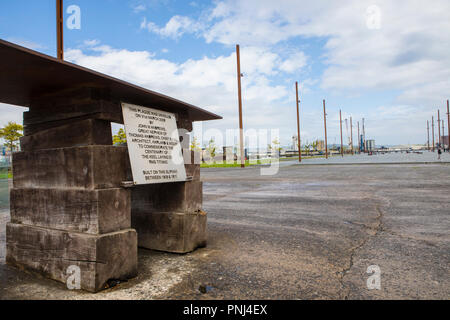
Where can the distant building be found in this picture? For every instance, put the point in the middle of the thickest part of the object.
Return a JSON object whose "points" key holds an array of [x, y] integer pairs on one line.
{"points": [[370, 145], [320, 145], [295, 143], [444, 140], [228, 154]]}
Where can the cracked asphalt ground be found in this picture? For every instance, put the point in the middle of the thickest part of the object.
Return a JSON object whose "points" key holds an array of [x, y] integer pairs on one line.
{"points": [[309, 232]]}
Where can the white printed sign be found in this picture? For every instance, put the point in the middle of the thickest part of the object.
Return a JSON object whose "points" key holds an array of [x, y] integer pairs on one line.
{"points": [[153, 145]]}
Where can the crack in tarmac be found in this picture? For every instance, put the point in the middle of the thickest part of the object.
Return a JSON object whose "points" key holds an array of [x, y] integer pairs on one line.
{"points": [[377, 229]]}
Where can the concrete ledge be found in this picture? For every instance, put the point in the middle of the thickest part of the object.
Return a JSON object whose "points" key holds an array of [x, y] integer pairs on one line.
{"points": [[167, 197], [87, 211], [89, 167], [79, 133], [171, 231], [50, 252]]}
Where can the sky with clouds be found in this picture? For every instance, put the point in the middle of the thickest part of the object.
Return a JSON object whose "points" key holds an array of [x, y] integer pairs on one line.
{"points": [[387, 61]]}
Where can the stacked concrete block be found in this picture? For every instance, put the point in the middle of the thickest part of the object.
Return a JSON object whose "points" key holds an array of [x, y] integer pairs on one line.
{"points": [[67, 205], [169, 217]]}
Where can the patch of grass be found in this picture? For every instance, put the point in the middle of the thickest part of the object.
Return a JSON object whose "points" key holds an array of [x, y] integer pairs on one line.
{"points": [[5, 175]]}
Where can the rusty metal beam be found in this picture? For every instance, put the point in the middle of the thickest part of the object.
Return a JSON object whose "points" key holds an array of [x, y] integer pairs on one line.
{"points": [[439, 130], [342, 140], [364, 135], [359, 141], [432, 131], [241, 126], [59, 29], [325, 125], [448, 126], [298, 124], [351, 135]]}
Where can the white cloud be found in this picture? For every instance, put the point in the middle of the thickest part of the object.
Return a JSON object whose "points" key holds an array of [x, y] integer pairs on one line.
{"points": [[139, 8], [407, 54], [409, 50], [294, 63], [175, 27], [91, 43], [207, 82]]}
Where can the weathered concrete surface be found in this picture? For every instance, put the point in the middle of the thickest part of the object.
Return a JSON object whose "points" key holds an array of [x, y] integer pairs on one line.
{"points": [[307, 233], [78, 133], [88, 211], [168, 216], [51, 252], [165, 197], [91, 167], [177, 232]]}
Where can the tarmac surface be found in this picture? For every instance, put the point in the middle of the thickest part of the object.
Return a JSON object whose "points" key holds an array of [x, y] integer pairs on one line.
{"points": [[388, 158], [308, 232]]}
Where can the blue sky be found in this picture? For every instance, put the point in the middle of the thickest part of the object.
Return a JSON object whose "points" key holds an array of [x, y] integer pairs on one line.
{"points": [[386, 61]]}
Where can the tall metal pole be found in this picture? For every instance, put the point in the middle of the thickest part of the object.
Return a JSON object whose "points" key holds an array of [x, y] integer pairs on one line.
{"points": [[342, 141], [325, 125], [241, 126], [428, 133], [359, 140], [298, 124], [351, 134], [59, 29], [448, 127], [364, 136], [432, 130], [439, 129]]}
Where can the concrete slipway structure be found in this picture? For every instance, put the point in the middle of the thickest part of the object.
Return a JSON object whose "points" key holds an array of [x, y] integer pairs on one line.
{"points": [[68, 203]]}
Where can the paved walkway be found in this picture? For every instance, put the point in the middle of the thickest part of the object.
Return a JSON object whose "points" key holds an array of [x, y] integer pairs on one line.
{"points": [[425, 157], [309, 232]]}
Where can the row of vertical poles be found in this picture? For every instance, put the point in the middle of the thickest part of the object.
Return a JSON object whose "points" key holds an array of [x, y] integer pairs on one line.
{"points": [[239, 77], [60, 55], [440, 124], [325, 128]]}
